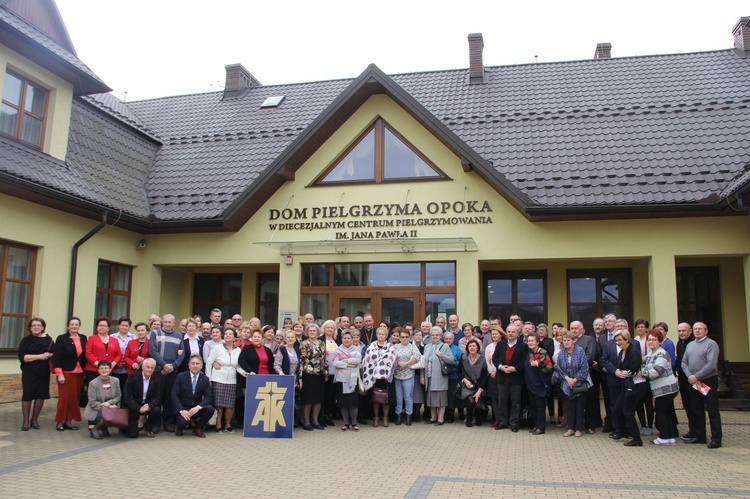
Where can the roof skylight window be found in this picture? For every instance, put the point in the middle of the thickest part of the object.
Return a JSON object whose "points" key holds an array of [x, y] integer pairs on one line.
{"points": [[272, 102]]}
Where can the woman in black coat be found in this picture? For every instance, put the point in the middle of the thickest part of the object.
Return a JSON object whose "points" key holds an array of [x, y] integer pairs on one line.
{"points": [[628, 368], [69, 360], [256, 358]]}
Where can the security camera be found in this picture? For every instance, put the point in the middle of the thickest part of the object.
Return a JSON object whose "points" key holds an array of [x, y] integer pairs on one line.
{"points": [[141, 244]]}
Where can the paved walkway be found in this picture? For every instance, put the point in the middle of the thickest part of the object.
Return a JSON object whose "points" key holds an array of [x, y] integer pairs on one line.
{"points": [[413, 462]]}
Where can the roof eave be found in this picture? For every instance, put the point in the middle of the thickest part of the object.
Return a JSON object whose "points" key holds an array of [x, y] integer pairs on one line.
{"points": [[83, 83], [626, 211], [53, 198]]}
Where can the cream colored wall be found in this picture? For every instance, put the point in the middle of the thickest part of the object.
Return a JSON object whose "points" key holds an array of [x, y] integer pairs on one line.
{"points": [[162, 279], [60, 99], [54, 233]]}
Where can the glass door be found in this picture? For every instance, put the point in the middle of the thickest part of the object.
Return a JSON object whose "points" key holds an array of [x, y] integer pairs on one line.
{"points": [[389, 306]]}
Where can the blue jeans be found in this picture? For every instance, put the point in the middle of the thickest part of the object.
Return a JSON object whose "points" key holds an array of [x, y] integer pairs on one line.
{"points": [[405, 390]]}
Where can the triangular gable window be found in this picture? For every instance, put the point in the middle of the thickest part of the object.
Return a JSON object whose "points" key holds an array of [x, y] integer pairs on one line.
{"points": [[380, 155]]}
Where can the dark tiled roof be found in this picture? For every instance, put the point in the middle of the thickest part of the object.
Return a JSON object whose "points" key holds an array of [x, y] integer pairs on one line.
{"points": [[118, 109], [652, 130], [113, 159], [640, 130], [662, 132], [215, 149], [45, 43], [29, 164]]}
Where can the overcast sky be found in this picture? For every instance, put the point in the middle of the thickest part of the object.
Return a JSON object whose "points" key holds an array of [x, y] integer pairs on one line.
{"points": [[157, 48]]}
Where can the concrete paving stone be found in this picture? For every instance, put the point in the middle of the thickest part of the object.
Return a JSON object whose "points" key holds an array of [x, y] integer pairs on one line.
{"points": [[413, 462]]}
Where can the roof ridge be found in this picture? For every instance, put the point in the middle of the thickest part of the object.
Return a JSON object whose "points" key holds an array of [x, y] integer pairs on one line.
{"points": [[603, 61]]}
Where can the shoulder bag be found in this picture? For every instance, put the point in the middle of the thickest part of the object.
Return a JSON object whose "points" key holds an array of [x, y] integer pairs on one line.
{"points": [[446, 368]]}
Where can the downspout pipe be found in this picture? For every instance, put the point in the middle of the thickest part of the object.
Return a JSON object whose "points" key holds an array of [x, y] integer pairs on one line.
{"points": [[74, 262]]}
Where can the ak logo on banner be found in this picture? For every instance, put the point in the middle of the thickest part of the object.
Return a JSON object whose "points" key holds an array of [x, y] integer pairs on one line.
{"points": [[269, 406]]}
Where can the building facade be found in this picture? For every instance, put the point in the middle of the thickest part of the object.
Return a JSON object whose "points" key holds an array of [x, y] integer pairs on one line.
{"points": [[558, 191]]}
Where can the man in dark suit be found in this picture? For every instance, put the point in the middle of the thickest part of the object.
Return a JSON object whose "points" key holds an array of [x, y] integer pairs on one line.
{"points": [[142, 397], [508, 359], [192, 398]]}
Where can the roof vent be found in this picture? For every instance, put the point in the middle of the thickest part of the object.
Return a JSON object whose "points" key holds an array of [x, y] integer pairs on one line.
{"points": [[238, 80], [741, 33], [603, 51], [476, 66]]}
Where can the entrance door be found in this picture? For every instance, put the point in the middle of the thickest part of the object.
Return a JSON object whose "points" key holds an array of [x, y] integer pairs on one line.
{"points": [[389, 306]]}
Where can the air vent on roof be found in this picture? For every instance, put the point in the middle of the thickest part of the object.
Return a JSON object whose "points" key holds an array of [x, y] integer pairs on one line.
{"points": [[272, 101]]}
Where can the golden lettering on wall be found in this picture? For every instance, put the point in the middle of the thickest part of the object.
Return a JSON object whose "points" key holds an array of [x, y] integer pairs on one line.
{"points": [[394, 217]]}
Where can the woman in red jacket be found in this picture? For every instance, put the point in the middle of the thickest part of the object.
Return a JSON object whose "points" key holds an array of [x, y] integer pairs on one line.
{"points": [[100, 347], [137, 350]]}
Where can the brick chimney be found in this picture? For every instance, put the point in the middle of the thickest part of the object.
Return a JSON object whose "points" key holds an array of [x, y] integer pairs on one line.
{"points": [[603, 51], [476, 66], [741, 33], [238, 80]]}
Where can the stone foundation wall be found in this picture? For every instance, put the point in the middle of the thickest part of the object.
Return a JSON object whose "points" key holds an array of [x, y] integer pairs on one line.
{"points": [[10, 387]]}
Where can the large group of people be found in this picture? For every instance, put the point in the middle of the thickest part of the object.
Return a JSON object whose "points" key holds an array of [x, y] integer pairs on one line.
{"points": [[169, 379]]}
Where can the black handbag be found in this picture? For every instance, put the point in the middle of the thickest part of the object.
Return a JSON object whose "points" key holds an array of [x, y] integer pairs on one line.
{"points": [[581, 386], [446, 369]]}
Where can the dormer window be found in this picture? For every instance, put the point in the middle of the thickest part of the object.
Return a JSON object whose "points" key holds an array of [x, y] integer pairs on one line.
{"points": [[23, 110], [380, 155]]}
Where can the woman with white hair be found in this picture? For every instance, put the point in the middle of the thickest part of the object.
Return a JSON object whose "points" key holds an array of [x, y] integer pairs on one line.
{"points": [[434, 377]]}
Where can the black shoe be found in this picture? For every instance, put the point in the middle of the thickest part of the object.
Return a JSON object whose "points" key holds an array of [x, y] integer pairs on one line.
{"points": [[94, 433], [634, 443], [478, 422], [408, 420], [537, 431], [468, 423], [69, 426], [616, 436], [607, 429], [695, 440], [398, 419], [687, 436], [501, 426], [715, 444], [514, 429]]}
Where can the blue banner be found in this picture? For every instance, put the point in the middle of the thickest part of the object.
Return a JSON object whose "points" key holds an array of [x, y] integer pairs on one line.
{"points": [[269, 406]]}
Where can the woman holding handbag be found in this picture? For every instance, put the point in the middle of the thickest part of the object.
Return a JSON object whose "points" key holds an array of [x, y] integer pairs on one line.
{"points": [[574, 375], [474, 368], [438, 368], [628, 369], [104, 391], [407, 354], [346, 359], [377, 373], [658, 370], [537, 372]]}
